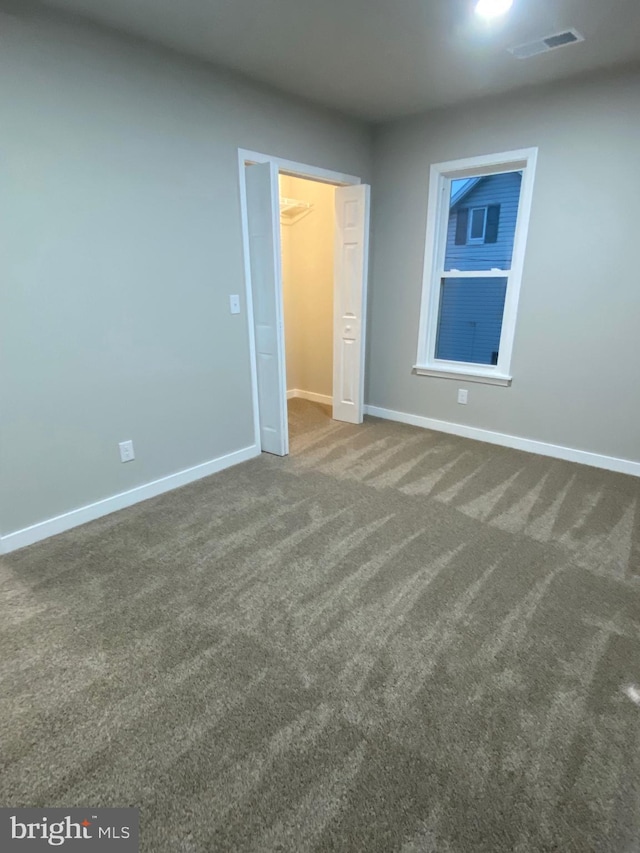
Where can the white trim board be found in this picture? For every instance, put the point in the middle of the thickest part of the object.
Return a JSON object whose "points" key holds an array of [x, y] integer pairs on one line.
{"points": [[310, 395], [300, 170], [66, 521], [557, 451]]}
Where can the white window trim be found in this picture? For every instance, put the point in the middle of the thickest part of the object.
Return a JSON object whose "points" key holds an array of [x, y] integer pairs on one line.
{"points": [[473, 241], [440, 178]]}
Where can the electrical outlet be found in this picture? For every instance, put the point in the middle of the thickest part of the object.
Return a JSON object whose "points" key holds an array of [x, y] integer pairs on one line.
{"points": [[126, 451], [463, 396]]}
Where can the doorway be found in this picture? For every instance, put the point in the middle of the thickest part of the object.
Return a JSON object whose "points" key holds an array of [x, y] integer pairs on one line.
{"points": [[307, 226], [270, 259]]}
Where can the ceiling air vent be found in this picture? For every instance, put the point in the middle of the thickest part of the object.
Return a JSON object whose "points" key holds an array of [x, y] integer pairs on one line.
{"points": [[544, 45]]}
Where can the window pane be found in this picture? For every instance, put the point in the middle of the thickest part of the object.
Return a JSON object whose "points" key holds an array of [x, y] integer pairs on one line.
{"points": [[476, 232], [470, 319], [482, 239]]}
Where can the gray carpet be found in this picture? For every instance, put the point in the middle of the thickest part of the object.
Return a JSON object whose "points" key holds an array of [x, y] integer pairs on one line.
{"points": [[393, 640]]}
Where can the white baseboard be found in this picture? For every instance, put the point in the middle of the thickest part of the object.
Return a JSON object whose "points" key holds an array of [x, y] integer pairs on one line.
{"points": [[310, 395], [569, 454], [52, 526]]}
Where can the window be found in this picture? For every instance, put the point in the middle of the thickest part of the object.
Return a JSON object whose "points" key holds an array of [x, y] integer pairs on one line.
{"points": [[477, 221]]}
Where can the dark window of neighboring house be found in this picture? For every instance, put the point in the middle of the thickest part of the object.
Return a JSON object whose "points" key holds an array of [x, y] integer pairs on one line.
{"points": [[477, 224]]}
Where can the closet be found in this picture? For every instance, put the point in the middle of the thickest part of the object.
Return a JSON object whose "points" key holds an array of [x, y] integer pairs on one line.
{"points": [[307, 229]]}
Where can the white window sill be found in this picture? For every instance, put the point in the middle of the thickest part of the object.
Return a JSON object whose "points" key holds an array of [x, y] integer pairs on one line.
{"points": [[485, 376]]}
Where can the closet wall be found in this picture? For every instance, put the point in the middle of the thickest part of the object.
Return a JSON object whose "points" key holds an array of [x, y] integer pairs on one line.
{"points": [[307, 272]]}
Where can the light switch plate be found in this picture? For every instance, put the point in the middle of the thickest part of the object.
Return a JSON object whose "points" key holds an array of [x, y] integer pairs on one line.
{"points": [[234, 303]]}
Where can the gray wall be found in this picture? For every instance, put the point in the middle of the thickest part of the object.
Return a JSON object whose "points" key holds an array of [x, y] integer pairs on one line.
{"points": [[121, 238], [577, 346]]}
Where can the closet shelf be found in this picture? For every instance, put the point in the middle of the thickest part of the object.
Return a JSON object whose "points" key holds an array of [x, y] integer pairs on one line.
{"points": [[292, 210]]}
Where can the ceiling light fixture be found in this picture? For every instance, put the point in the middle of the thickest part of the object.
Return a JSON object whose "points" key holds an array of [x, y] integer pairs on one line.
{"points": [[492, 8]]}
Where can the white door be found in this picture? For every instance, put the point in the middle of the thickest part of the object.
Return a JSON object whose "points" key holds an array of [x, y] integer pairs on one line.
{"points": [[350, 301], [263, 213]]}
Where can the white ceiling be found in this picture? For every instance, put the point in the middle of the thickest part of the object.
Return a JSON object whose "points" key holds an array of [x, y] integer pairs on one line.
{"points": [[379, 59]]}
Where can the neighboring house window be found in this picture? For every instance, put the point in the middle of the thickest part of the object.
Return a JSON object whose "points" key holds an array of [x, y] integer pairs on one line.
{"points": [[476, 220], [477, 224]]}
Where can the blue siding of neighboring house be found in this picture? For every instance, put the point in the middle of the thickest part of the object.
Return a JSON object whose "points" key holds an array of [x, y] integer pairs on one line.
{"points": [[501, 189], [470, 319], [471, 310]]}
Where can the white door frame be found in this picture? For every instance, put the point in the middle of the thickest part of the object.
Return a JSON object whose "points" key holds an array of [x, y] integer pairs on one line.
{"points": [[298, 170]]}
